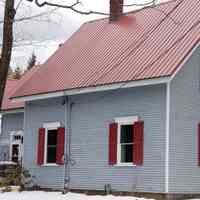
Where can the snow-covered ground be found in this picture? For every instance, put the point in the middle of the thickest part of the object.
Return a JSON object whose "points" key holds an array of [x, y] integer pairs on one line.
{"points": [[58, 196], [39, 195]]}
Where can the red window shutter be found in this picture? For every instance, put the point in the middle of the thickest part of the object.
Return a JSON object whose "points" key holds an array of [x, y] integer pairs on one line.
{"points": [[60, 147], [138, 139], [41, 144], [198, 144], [112, 143]]}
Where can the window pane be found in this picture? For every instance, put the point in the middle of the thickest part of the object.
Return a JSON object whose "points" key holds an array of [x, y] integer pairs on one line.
{"points": [[51, 155], [15, 153], [52, 137], [126, 134], [126, 153], [51, 146]]}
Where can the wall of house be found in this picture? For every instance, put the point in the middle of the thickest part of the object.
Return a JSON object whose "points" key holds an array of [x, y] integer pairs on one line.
{"points": [[37, 113], [10, 122], [185, 115], [90, 117]]}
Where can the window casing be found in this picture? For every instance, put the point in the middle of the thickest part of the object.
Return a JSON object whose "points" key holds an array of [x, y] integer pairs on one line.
{"points": [[125, 140], [16, 146], [50, 142]]}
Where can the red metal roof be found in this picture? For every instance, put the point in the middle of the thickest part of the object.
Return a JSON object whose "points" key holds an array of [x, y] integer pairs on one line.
{"points": [[7, 104], [144, 44], [11, 86]]}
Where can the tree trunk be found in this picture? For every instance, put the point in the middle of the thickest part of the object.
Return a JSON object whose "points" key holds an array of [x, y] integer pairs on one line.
{"points": [[9, 14]]}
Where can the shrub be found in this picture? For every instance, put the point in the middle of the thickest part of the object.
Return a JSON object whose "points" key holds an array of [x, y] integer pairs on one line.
{"points": [[16, 175]]}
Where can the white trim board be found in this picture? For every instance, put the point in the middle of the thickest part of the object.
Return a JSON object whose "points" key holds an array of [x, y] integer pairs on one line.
{"points": [[167, 133], [12, 111], [126, 120], [51, 125], [108, 87]]}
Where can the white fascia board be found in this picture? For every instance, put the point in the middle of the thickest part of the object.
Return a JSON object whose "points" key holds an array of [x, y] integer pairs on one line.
{"points": [[118, 86], [12, 111], [38, 97], [115, 86]]}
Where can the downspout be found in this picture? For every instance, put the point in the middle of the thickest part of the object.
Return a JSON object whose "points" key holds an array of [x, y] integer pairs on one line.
{"points": [[24, 134], [66, 135], [167, 137], [67, 156]]}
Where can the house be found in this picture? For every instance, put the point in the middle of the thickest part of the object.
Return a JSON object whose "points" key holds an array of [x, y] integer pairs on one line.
{"points": [[12, 121], [11, 125], [117, 106]]}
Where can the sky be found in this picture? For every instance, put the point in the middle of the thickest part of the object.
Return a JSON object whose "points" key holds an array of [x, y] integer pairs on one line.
{"points": [[43, 35]]}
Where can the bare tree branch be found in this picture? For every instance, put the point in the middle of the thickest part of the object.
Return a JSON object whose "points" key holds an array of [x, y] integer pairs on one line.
{"points": [[141, 4], [18, 5], [32, 16], [152, 4], [71, 7]]}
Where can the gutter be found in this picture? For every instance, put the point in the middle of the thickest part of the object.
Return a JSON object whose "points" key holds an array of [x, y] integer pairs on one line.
{"points": [[12, 111], [100, 88]]}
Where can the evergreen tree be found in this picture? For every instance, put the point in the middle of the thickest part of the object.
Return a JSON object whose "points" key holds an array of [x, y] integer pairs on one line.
{"points": [[31, 61]]}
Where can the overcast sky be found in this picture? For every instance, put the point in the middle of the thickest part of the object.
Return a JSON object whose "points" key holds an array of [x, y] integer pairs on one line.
{"points": [[46, 33]]}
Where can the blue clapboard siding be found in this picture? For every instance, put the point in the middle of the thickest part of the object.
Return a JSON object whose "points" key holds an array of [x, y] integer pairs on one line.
{"points": [[91, 115], [37, 113], [10, 122], [185, 115]]}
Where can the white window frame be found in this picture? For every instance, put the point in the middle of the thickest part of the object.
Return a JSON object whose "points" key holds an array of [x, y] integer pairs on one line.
{"points": [[49, 126], [14, 142], [123, 121]]}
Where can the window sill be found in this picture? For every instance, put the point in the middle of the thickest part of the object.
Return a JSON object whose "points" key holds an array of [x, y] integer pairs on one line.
{"points": [[50, 165], [125, 165]]}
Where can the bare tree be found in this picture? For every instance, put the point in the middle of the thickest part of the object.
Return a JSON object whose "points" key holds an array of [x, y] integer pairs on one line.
{"points": [[9, 14], [9, 20], [8, 40]]}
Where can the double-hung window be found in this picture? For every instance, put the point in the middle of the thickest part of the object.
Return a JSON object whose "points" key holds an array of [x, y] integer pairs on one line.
{"points": [[125, 144], [126, 138], [51, 141]]}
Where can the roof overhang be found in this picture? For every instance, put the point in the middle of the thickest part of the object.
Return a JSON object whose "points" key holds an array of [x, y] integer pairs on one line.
{"points": [[101, 88], [11, 111]]}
